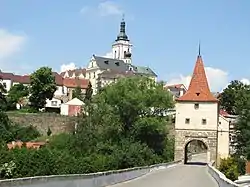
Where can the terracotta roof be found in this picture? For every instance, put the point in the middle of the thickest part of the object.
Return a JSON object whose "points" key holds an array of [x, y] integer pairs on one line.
{"points": [[198, 89], [58, 79], [74, 82], [29, 145], [223, 113], [178, 86], [21, 79], [6, 76], [77, 72]]}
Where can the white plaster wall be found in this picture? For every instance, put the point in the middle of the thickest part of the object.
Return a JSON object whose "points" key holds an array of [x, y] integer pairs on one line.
{"points": [[223, 137], [49, 103], [208, 111], [60, 91], [64, 109], [118, 49], [8, 84]]}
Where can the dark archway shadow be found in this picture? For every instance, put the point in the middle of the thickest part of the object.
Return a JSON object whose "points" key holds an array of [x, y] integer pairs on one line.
{"points": [[197, 163], [189, 157]]}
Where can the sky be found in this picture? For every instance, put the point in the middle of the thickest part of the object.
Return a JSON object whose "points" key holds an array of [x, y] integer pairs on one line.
{"points": [[165, 34]]}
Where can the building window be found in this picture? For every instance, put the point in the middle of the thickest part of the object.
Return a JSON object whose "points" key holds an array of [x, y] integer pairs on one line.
{"points": [[54, 103], [4, 85], [196, 106], [89, 76], [204, 121], [94, 74], [187, 120]]}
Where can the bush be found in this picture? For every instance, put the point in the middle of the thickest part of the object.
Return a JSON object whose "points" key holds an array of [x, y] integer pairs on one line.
{"points": [[229, 168]]}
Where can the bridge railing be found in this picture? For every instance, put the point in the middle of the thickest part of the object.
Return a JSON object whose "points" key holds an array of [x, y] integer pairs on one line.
{"points": [[99, 179], [221, 179]]}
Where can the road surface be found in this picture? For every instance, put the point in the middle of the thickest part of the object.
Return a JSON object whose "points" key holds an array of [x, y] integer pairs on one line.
{"points": [[177, 176], [190, 175]]}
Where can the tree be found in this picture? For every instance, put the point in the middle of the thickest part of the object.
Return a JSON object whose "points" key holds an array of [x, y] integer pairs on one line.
{"points": [[242, 130], [88, 94], [234, 97], [43, 86], [133, 109], [77, 93], [17, 92]]}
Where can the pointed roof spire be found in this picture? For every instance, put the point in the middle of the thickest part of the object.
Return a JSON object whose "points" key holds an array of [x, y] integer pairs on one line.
{"points": [[198, 90], [122, 35]]}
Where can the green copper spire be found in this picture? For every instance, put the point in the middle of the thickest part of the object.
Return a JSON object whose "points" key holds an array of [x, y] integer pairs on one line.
{"points": [[122, 35]]}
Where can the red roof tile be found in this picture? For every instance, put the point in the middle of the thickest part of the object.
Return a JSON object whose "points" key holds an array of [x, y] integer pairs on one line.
{"points": [[198, 89], [223, 113], [178, 86], [6, 76], [75, 82], [21, 79], [77, 72], [58, 79]]}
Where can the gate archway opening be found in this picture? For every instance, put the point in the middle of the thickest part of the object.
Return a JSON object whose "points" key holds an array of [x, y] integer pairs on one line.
{"points": [[196, 152]]}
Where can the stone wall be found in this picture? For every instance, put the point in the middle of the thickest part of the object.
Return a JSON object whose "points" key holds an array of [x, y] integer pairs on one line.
{"points": [[42, 121], [183, 137]]}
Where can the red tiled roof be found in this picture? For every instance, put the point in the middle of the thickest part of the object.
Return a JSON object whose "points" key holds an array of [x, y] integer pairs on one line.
{"points": [[198, 89], [77, 72], [6, 76], [58, 78], [178, 86], [75, 82], [21, 79], [223, 113]]}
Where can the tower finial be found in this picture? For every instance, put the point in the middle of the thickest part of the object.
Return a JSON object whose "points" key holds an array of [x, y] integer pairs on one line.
{"points": [[199, 49], [123, 17], [122, 35]]}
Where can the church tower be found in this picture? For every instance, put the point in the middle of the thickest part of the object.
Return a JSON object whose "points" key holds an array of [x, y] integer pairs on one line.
{"points": [[121, 48]]}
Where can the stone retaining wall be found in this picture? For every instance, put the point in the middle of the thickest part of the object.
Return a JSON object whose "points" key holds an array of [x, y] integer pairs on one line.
{"points": [[42, 121], [100, 179]]}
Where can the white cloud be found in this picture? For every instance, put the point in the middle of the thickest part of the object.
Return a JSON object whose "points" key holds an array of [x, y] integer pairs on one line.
{"points": [[10, 43], [217, 79], [109, 8], [106, 8], [108, 55], [69, 66], [245, 81]]}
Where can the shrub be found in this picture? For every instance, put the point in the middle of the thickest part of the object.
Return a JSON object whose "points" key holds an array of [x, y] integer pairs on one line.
{"points": [[229, 168]]}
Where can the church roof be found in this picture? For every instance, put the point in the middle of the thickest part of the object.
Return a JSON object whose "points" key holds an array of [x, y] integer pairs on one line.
{"points": [[198, 89], [117, 65], [110, 63], [144, 70]]}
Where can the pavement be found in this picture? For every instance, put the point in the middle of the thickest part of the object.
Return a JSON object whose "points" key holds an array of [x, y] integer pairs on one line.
{"points": [[194, 174], [177, 176]]}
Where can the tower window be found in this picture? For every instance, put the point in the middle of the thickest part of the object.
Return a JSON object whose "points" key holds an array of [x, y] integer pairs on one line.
{"points": [[115, 54], [196, 106], [187, 120], [204, 121]]}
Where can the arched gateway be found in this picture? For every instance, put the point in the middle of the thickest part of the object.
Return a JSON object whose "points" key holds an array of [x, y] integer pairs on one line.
{"points": [[197, 117]]}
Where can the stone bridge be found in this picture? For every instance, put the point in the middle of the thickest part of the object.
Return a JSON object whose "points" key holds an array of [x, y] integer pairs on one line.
{"points": [[175, 174]]}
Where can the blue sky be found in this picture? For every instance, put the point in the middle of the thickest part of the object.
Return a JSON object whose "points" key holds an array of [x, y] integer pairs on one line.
{"points": [[165, 35]]}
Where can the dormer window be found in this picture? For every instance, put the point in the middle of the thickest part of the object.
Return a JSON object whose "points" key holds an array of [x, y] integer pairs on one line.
{"points": [[130, 68], [197, 93], [117, 63], [196, 106], [106, 62]]}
